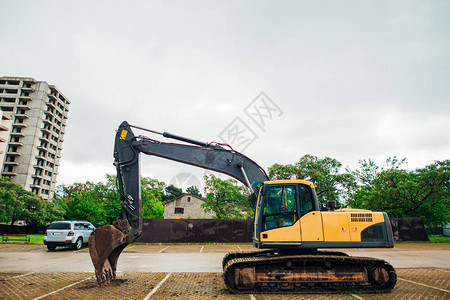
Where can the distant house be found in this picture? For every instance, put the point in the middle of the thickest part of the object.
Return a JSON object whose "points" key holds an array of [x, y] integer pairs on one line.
{"points": [[186, 206]]}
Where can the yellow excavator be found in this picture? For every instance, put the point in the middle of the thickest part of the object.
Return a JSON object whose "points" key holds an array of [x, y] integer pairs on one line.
{"points": [[289, 226]]}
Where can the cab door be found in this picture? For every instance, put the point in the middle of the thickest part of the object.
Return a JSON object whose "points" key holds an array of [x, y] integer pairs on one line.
{"points": [[280, 214], [310, 217]]}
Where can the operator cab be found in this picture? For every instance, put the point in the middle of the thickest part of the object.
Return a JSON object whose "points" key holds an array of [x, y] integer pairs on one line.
{"points": [[282, 203]]}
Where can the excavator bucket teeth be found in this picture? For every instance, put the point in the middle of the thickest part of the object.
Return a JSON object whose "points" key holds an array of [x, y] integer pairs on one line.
{"points": [[105, 245]]}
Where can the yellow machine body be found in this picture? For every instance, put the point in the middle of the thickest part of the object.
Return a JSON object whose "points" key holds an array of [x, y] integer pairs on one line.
{"points": [[288, 217]]}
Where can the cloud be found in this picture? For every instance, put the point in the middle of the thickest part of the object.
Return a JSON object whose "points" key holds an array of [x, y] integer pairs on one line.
{"points": [[354, 80]]}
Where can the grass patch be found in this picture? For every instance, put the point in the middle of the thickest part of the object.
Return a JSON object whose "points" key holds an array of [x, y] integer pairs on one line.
{"points": [[439, 238], [432, 238], [36, 238]]}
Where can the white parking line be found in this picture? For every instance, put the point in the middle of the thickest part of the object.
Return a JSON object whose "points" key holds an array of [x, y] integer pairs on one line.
{"points": [[240, 250], [426, 285], [19, 276], [163, 249], [201, 250], [63, 288], [157, 287]]}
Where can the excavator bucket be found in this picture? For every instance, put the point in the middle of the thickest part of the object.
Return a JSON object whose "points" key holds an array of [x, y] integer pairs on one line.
{"points": [[105, 245]]}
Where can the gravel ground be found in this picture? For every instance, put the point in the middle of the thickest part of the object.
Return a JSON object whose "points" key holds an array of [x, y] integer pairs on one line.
{"points": [[412, 284]]}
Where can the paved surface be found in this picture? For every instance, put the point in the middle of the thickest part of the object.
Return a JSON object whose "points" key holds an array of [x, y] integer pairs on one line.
{"points": [[165, 272], [197, 258]]}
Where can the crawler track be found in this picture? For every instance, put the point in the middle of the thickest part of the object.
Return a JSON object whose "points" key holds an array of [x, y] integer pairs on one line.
{"points": [[270, 253], [333, 272]]}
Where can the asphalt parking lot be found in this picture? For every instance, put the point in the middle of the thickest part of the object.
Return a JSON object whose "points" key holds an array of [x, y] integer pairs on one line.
{"points": [[192, 272]]}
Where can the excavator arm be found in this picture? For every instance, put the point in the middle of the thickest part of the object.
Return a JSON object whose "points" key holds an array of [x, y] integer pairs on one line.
{"points": [[107, 242]]}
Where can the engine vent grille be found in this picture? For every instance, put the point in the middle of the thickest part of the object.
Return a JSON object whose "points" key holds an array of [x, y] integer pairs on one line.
{"points": [[361, 217]]}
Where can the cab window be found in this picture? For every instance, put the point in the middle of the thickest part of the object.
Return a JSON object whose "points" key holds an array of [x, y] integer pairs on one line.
{"points": [[280, 207], [306, 199]]}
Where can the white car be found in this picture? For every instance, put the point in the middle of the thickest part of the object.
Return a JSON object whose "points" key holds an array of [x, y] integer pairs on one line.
{"points": [[68, 233]]}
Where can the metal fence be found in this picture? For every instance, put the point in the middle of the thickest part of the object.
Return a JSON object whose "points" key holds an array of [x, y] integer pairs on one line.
{"points": [[408, 229], [196, 231], [225, 231], [240, 231]]}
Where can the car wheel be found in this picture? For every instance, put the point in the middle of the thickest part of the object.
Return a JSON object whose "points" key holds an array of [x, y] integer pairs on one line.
{"points": [[51, 248], [78, 244]]}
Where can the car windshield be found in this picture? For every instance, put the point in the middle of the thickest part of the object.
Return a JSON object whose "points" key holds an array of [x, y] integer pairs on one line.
{"points": [[59, 226]]}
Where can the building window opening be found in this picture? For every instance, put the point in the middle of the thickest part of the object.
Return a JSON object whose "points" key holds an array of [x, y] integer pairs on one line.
{"points": [[179, 210]]}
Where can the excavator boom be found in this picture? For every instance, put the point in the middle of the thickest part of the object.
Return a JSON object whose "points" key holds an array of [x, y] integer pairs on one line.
{"points": [[107, 242]]}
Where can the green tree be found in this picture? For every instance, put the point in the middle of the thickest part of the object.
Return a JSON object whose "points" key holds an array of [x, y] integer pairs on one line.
{"points": [[172, 192], [193, 190], [226, 199], [18, 204], [423, 192], [152, 192], [326, 173], [99, 202]]}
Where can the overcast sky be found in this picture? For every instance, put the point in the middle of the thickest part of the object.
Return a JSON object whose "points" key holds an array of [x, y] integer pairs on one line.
{"points": [[346, 79]]}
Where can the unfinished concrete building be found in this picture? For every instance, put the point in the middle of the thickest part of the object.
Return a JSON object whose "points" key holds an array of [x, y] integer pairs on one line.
{"points": [[39, 117], [5, 129]]}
